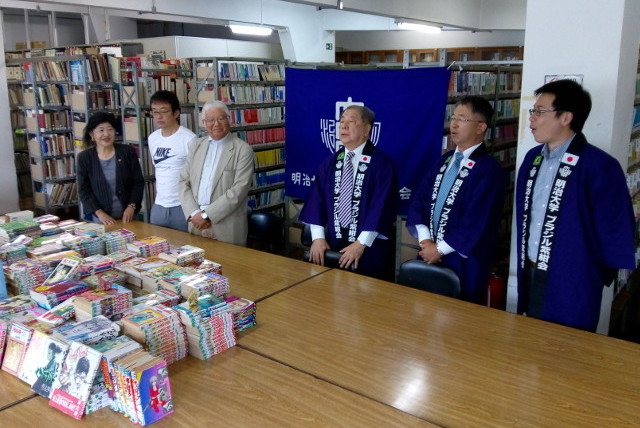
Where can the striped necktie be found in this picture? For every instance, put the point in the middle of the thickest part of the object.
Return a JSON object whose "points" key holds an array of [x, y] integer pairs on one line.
{"points": [[346, 190], [447, 181]]}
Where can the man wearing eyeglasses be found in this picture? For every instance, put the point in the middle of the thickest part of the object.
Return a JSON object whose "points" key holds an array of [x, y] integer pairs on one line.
{"points": [[457, 210], [215, 180], [573, 211], [353, 197], [168, 148]]}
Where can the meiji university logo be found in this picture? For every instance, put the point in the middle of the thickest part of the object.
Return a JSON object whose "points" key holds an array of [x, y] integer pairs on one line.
{"points": [[330, 128]]}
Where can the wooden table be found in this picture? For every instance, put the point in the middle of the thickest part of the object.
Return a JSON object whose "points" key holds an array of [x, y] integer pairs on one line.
{"points": [[449, 362], [333, 348], [12, 390], [252, 274], [236, 389]]}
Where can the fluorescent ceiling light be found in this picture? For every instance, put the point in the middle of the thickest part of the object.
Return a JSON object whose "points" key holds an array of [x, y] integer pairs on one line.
{"points": [[423, 28], [250, 29]]}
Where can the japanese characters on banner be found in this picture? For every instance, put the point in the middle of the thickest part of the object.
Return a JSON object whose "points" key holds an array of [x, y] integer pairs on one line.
{"points": [[409, 105]]}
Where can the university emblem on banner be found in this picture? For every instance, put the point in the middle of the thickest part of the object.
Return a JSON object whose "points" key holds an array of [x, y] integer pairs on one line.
{"points": [[330, 128]]}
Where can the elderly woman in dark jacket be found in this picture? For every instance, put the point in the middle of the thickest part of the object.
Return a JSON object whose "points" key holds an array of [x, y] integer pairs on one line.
{"points": [[110, 181]]}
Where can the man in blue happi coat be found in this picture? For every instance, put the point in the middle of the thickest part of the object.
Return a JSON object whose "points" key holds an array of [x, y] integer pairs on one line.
{"points": [[351, 205], [457, 210], [574, 213]]}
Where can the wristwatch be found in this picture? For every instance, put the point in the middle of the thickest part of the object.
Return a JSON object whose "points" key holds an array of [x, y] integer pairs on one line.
{"points": [[203, 214]]}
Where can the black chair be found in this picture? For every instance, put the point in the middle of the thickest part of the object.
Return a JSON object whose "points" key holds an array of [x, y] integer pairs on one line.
{"points": [[331, 258], [265, 231], [432, 278]]}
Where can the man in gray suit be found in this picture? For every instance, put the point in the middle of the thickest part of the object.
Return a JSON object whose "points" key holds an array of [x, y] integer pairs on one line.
{"points": [[215, 180]]}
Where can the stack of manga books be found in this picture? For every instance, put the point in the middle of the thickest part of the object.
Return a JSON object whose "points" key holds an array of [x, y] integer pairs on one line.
{"points": [[110, 303], [208, 324], [117, 240], [243, 311], [183, 255], [149, 246], [159, 329]]}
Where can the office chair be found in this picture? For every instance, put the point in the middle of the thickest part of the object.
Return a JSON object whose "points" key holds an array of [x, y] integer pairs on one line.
{"points": [[265, 230], [433, 278], [331, 257]]}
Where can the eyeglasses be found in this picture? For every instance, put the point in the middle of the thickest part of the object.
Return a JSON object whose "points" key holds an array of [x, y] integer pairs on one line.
{"points": [[160, 112], [214, 120], [537, 112], [463, 119]]}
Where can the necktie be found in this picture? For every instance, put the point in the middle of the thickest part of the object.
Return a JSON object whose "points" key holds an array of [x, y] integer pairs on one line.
{"points": [[346, 190], [445, 186]]}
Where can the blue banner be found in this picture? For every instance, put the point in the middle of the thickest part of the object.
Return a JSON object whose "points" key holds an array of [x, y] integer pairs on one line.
{"points": [[409, 105]]}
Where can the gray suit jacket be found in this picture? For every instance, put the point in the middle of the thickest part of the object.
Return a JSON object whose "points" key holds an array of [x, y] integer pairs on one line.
{"points": [[232, 179]]}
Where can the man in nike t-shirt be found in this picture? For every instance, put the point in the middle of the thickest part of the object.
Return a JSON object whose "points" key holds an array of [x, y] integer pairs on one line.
{"points": [[168, 147]]}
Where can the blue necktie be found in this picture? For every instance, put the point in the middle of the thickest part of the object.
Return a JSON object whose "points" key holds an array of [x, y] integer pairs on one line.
{"points": [[445, 186], [346, 190]]}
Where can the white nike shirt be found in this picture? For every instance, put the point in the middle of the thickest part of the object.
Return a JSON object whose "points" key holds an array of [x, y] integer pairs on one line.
{"points": [[169, 155]]}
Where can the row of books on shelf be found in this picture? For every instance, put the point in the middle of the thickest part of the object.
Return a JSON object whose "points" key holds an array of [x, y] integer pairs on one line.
{"points": [[504, 133], [251, 94], [51, 145], [53, 169], [96, 99], [484, 82], [49, 94], [262, 136], [21, 161], [506, 156], [266, 199], [270, 157], [17, 119], [24, 185], [256, 116], [506, 109], [19, 139], [149, 85], [95, 68], [43, 121], [15, 95], [266, 178], [57, 71], [240, 71], [59, 194]]}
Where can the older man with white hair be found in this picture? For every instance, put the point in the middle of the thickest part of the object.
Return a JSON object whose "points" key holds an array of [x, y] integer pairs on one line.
{"points": [[215, 180]]}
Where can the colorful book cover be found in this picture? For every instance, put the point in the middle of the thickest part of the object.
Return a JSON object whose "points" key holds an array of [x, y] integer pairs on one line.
{"points": [[90, 331], [35, 351], [49, 366], [65, 270], [17, 341], [72, 387], [152, 391], [4, 328]]}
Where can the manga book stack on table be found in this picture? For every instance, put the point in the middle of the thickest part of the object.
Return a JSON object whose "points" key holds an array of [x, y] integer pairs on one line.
{"points": [[96, 318]]}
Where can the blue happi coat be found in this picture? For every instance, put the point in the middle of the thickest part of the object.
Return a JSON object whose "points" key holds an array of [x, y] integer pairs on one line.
{"points": [[594, 236], [377, 206], [472, 226]]}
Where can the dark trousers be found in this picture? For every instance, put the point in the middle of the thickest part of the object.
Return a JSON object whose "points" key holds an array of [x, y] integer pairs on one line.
{"points": [[376, 261], [535, 282]]}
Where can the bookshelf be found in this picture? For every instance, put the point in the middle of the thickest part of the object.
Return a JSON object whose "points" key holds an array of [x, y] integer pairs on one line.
{"points": [[15, 77], [49, 134], [626, 301], [444, 55], [253, 89], [140, 78]]}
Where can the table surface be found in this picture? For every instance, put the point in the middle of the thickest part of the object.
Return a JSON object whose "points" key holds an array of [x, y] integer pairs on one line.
{"points": [[452, 363], [252, 274], [333, 348], [238, 388]]}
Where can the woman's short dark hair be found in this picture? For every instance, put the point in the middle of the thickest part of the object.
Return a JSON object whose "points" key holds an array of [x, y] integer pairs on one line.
{"points": [[96, 120]]}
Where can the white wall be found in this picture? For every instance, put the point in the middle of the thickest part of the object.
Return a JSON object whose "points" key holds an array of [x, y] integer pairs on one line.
{"points": [[380, 40]]}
